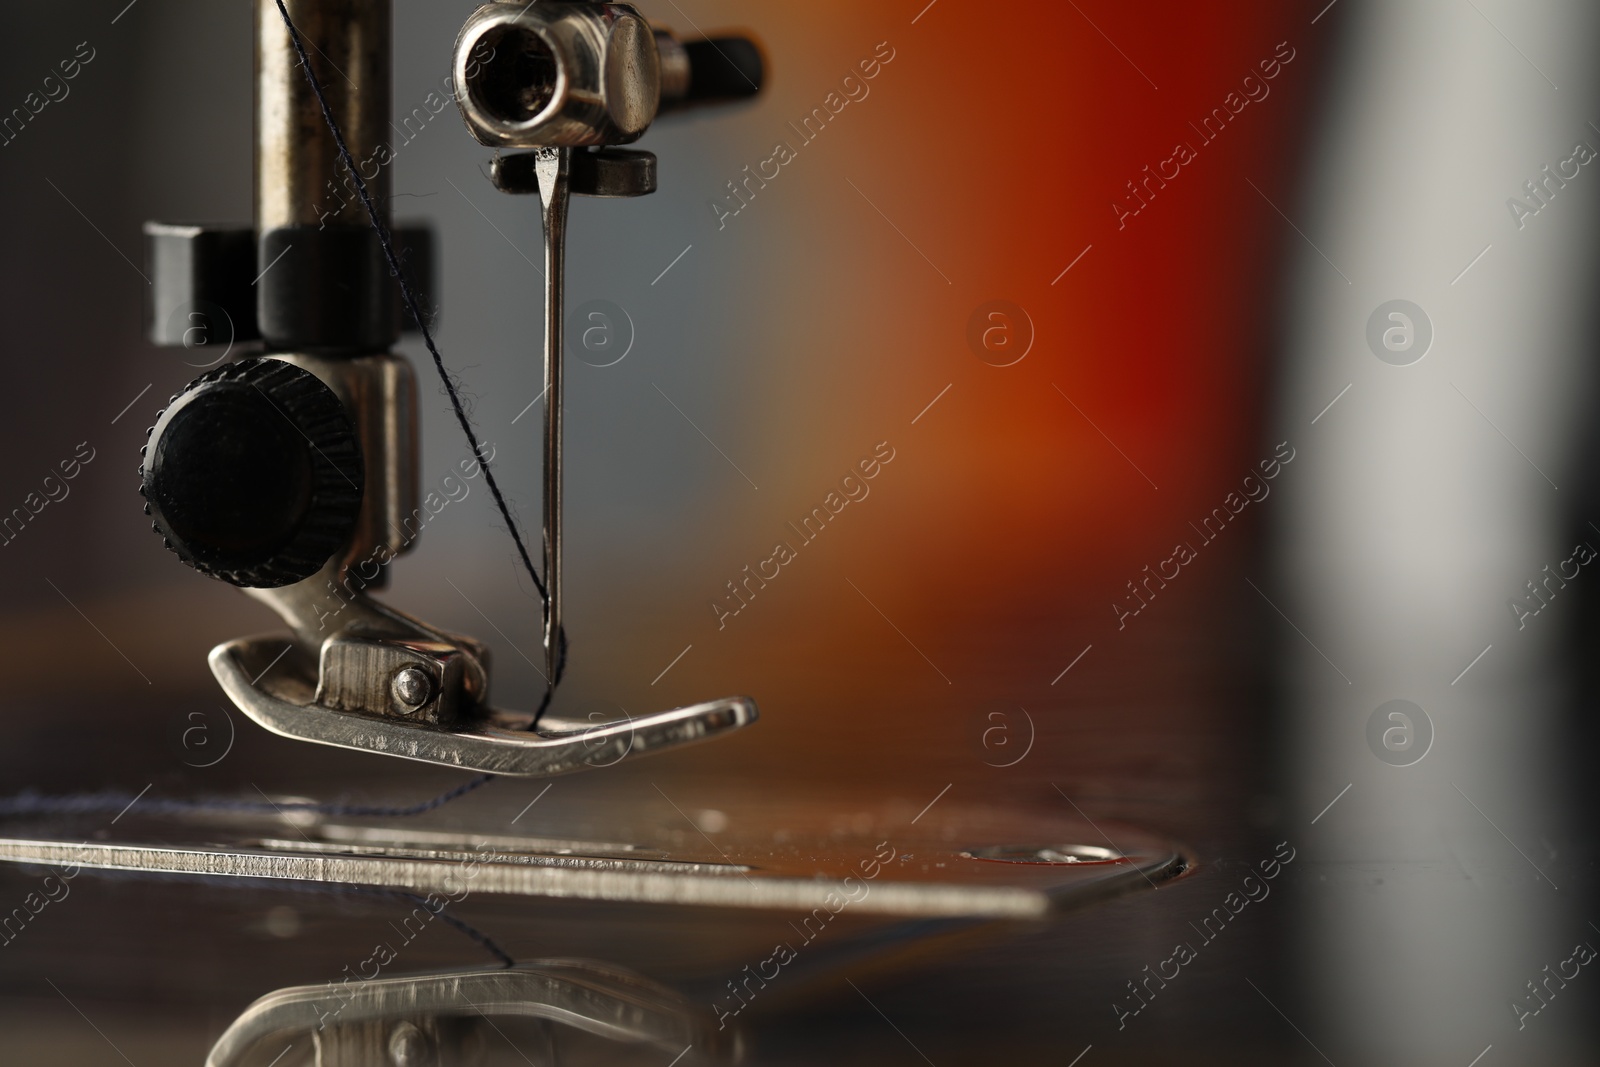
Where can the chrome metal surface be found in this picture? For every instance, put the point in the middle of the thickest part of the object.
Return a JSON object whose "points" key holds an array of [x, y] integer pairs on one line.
{"points": [[675, 66], [330, 605], [435, 1018], [298, 172], [417, 680], [552, 166], [412, 687], [283, 698], [332, 683], [423, 876], [915, 875], [556, 73]]}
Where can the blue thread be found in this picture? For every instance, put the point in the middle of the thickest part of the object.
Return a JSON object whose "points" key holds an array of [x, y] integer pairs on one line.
{"points": [[462, 926]]}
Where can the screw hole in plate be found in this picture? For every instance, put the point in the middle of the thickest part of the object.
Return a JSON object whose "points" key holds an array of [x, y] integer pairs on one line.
{"points": [[1048, 855]]}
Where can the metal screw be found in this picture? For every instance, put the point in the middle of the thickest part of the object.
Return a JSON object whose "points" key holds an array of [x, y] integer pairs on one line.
{"points": [[409, 1046], [412, 687]]}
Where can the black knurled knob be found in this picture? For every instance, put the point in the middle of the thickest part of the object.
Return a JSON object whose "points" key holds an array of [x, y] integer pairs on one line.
{"points": [[253, 474]]}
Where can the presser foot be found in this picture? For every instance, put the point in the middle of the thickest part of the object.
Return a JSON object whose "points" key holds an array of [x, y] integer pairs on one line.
{"points": [[273, 682]]}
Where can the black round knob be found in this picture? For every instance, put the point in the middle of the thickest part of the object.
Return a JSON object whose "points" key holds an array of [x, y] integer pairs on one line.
{"points": [[253, 474]]}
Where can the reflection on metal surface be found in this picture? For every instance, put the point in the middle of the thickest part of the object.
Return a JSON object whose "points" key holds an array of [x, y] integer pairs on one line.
{"points": [[438, 1019]]}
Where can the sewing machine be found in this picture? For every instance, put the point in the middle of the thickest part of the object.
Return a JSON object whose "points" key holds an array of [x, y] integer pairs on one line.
{"points": [[290, 469]]}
